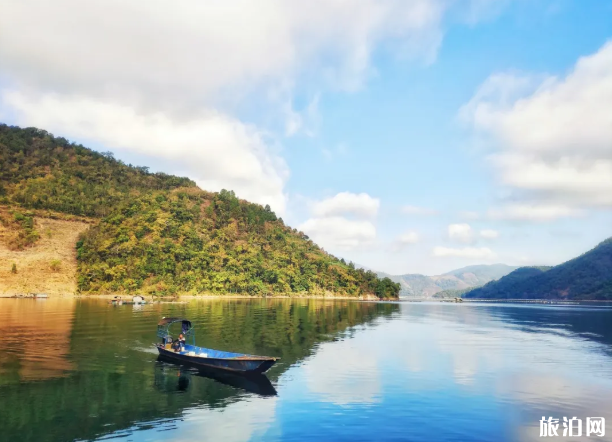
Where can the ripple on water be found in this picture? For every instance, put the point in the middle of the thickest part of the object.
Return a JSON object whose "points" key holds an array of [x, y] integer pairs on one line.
{"points": [[84, 370]]}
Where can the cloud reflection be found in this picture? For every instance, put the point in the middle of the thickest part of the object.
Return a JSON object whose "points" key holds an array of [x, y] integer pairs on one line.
{"points": [[344, 373]]}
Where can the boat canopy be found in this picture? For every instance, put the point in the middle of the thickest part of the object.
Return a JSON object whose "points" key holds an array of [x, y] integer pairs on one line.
{"points": [[186, 328]]}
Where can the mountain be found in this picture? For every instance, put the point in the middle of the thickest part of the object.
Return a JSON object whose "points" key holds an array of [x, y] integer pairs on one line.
{"points": [[452, 293], [40, 171], [588, 276], [156, 233], [421, 286]]}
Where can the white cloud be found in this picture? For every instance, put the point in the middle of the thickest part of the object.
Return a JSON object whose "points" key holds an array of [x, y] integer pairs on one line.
{"points": [[188, 50], [340, 233], [216, 151], [489, 234], [157, 73], [181, 69], [465, 252], [305, 121], [332, 153], [415, 210], [409, 238], [461, 233], [344, 221], [404, 240], [347, 203], [575, 180], [553, 134], [469, 215], [476, 10], [532, 212]]}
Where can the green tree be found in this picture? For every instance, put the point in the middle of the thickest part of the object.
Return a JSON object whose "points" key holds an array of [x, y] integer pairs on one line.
{"points": [[161, 234]]}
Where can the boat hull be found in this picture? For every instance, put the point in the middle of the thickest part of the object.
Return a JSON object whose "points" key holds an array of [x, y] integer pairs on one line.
{"points": [[242, 364]]}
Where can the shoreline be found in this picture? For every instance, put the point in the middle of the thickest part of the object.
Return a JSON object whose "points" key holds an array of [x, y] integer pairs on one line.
{"points": [[369, 298], [179, 298], [526, 301], [539, 301]]}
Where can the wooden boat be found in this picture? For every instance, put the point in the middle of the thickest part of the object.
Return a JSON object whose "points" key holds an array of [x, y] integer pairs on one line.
{"points": [[136, 300], [190, 354]]}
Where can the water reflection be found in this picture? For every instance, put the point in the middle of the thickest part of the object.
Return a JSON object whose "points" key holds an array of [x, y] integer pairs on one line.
{"points": [[446, 373], [344, 374], [170, 377], [36, 336], [521, 362], [350, 371], [587, 322], [96, 370]]}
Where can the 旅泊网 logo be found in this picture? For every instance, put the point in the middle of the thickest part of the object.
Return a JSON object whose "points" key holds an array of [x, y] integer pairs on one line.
{"points": [[594, 426]]}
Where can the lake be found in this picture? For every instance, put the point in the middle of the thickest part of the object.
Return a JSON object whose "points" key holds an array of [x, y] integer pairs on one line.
{"points": [[350, 371]]}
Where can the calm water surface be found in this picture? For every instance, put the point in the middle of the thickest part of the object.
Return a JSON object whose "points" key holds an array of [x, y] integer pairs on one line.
{"points": [[84, 370]]}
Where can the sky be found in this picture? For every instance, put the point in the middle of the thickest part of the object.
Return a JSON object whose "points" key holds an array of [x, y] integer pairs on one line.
{"points": [[408, 136]]}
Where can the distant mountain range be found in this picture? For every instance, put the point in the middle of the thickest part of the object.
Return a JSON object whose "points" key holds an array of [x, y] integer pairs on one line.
{"points": [[588, 276], [421, 286]]}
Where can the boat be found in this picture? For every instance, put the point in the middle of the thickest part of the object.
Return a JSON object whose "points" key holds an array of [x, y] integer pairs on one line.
{"points": [[136, 300], [31, 296], [200, 357]]}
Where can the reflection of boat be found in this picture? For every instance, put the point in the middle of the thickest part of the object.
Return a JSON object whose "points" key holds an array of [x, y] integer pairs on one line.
{"points": [[206, 357], [254, 383], [170, 381]]}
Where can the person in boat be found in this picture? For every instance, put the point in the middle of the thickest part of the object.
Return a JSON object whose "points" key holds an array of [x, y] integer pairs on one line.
{"points": [[181, 340], [176, 345]]}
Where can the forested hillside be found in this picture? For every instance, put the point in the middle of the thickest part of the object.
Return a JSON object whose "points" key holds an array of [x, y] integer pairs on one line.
{"points": [[189, 240], [40, 171], [588, 276], [160, 234]]}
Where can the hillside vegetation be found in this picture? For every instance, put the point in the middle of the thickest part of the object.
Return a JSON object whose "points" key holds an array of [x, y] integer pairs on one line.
{"points": [[588, 276], [40, 171], [189, 240], [158, 233], [451, 293], [17, 229]]}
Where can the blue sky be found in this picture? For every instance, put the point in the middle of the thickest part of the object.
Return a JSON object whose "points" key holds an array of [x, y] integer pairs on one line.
{"points": [[410, 137]]}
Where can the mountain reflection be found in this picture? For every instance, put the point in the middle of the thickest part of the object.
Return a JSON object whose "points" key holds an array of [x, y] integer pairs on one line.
{"points": [[348, 370], [35, 335], [98, 372], [590, 322]]}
